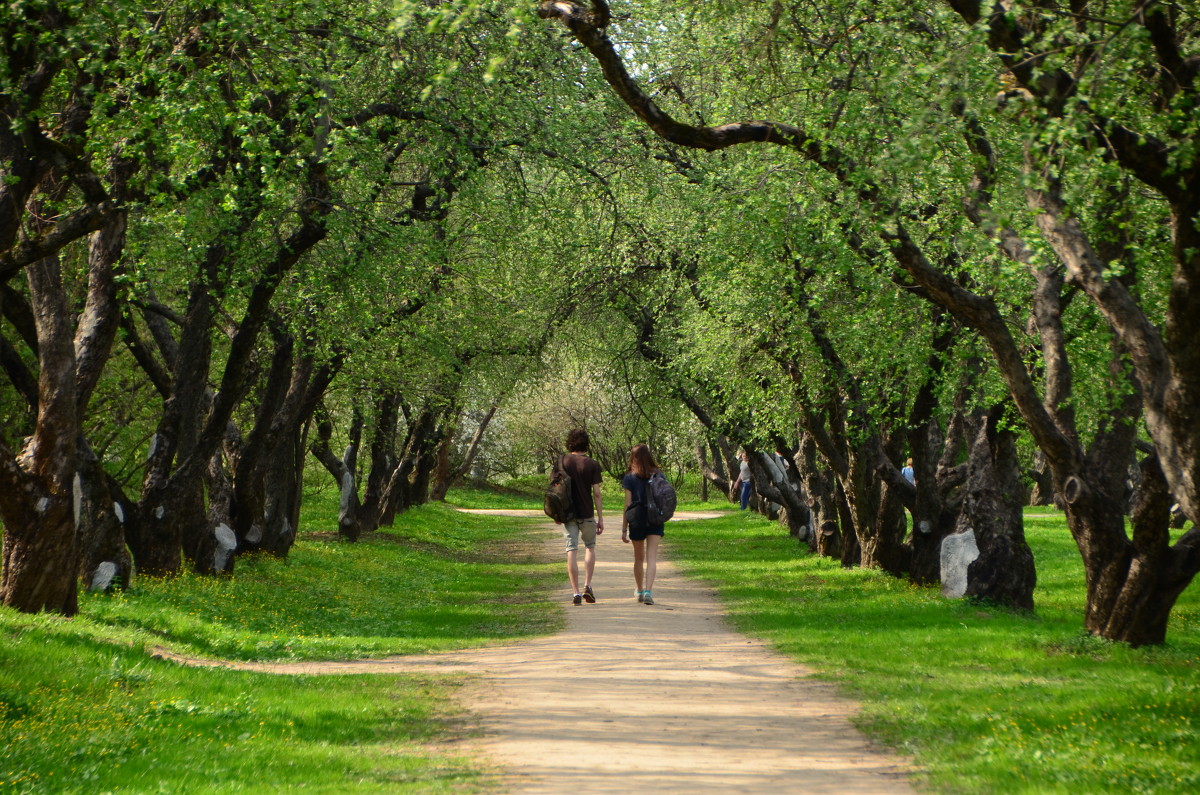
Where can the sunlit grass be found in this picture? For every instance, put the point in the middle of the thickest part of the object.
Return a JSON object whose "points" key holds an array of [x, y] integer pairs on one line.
{"points": [[84, 708], [79, 716], [440, 579], [985, 700]]}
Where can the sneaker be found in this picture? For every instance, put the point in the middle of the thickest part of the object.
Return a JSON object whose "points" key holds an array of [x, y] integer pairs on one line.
{"points": [[641, 595], [588, 596], [577, 599], [647, 598]]}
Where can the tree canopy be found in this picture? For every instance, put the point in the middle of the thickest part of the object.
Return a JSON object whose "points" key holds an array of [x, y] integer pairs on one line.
{"points": [[238, 238]]}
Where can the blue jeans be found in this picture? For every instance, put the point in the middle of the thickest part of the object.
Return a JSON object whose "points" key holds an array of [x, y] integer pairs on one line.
{"points": [[745, 495]]}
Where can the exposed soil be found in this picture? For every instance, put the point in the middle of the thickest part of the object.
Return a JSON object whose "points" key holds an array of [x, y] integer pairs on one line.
{"points": [[636, 698]]}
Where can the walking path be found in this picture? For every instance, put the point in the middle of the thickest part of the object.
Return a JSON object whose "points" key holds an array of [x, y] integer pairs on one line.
{"points": [[662, 698]]}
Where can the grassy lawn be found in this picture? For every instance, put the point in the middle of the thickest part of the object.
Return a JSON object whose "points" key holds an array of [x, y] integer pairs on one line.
{"points": [[83, 708], [984, 700]]}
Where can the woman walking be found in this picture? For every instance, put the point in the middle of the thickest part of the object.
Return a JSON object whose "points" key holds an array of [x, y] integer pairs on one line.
{"points": [[635, 527]]}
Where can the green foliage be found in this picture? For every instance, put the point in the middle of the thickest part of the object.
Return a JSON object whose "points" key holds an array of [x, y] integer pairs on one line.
{"points": [[985, 700]]}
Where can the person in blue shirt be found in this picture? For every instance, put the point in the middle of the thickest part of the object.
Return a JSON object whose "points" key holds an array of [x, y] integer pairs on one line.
{"points": [[635, 528]]}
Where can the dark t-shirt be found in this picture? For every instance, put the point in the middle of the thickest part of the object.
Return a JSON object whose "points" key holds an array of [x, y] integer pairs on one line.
{"points": [[637, 492], [584, 474]]}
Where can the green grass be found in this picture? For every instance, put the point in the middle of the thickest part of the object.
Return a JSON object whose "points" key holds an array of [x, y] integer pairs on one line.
{"points": [[439, 580], [523, 494], [984, 700], [83, 708]]}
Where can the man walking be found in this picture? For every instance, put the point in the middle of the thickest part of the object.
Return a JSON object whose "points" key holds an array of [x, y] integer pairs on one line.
{"points": [[588, 522]]}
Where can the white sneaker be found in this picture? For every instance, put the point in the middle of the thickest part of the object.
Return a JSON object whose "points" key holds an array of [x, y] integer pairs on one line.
{"points": [[641, 595]]}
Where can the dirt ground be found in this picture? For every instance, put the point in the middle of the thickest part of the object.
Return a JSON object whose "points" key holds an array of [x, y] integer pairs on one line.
{"points": [[662, 698]]}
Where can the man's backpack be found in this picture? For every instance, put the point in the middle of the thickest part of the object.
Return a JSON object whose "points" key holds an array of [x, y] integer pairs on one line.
{"points": [[557, 502], [660, 499]]}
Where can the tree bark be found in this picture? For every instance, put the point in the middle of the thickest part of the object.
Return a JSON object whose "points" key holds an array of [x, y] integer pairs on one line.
{"points": [[1004, 571], [382, 460], [104, 514], [166, 498], [819, 486], [37, 498], [448, 474], [771, 484], [851, 551], [1042, 492], [344, 472]]}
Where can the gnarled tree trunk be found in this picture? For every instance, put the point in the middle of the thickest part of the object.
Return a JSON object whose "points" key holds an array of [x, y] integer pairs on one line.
{"points": [[773, 484], [344, 471], [37, 489], [1004, 571], [820, 487], [104, 513]]}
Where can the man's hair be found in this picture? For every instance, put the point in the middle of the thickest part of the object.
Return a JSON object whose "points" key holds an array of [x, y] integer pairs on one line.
{"points": [[641, 463], [578, 441]]}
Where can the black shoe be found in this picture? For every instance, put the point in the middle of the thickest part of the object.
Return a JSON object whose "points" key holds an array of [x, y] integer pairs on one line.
{"points": [[588, 596], [578, 600]]}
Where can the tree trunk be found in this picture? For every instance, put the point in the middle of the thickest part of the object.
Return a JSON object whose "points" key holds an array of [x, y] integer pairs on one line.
{"points": [[41, 557], [409, 483], [772, 483], [1132, 585], [441, 471], [282, 497], [37, 492], [931, 520], [820, 487], [263, 475], [851, 551], [383, 461], [344, 472], [167, 496], [720, 481], [104, 512], [451, 474], [1004, 571], [1042, 492], [934, 503], [878, 515]]}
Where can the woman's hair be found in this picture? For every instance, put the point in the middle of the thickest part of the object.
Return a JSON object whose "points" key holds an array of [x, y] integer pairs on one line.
{"points": [[641, 463]]}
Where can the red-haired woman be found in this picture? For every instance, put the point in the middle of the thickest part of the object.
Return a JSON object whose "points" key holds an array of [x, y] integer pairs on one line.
{"points": [[645, 536]]}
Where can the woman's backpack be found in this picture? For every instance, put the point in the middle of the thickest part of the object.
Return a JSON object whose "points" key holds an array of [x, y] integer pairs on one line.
{"points": [[660, 499]]}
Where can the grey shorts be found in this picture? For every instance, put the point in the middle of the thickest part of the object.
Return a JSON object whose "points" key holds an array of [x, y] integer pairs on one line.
{"points": [[576, 529]]}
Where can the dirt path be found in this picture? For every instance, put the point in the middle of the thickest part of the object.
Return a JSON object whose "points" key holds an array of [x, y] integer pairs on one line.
{"points": [[636, 698]]}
